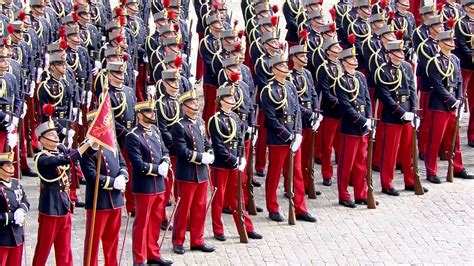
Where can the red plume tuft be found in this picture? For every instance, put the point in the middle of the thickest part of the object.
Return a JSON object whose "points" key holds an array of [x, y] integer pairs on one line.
{"points": [[124, 2], [10, 28], [76, 7], [391, 14], [332, 11], [400, 34], [241, 34], [119, 11], [48, 109], [351, 38], [63, 44], [383, 4], [171, 15], [125, 56], [234, 77], [450, 22], [62, 32], [274, 20], [180, 46], [5, 40], [275, 8], [75, 16], [332, 27], [373, 2], [304, 34], [238, 47], [236, 22], [22, 15], [176, 27], [178, 61], [166, 3], [215, 5], [119, 38], [439, 6], [122, 21]]}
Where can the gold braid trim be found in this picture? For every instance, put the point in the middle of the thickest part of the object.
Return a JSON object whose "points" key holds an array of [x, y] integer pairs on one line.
{"points": [[446, 74], [233, 128], [355, 91], [240, 100], [3, 89], [170, 120], [396, 83]]}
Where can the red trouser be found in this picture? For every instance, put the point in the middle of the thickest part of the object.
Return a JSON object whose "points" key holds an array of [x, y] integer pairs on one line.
{"points": [[31, 113], [352, 166], [146, 227], [330, 138], [279, 159], [107, 230], [441, 126], [199, 61], [261, 145], [193, 206], [141, 83], [396, 142], [169, 184], [225, 180], [129, 197], [3, 140], [228, 196], [248, 59], [11, 256], [468, 86], [306, 164], [415, 10], [53, 230], [210, 107]]}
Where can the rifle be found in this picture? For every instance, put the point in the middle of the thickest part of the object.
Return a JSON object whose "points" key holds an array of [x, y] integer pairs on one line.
{"points": [[291, 203], [20, 126], [251, 205], [241, 223], [312, 194], [452, 150], [414, 154], [69, 119], [370, 186]]}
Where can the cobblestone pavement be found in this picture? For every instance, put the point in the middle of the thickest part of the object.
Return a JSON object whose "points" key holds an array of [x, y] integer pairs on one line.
{"points": [[436, 228]]}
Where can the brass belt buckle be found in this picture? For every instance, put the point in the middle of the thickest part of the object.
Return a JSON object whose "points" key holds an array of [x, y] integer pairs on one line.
{"points": [[403, 98]]}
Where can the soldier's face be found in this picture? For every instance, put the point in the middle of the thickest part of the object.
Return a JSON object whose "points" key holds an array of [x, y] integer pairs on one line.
{"points": [[191, 107], [317, 22], [469, 10], [74, 39], [300, 59], [217, 26], [7, 169], [222, 14], [267, 28], [172, 85], [228, 41], [117, 77], [427, 16], [350, 63], [148, 117], [84, 17], [396, 56], [232, 69], [435, 29], [132, 9], [378, 24], [335, 49], [50, 140], [227, 102], [364, 12], [403, 6], [265, 14], [60, 68], [18, 35], [447, 44], [3, 64], [281, 70], [37, 10], [160, 23]]}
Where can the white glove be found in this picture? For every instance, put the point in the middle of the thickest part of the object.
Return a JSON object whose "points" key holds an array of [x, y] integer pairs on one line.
{"points": [[416, 123], [70, 133], [368, 124], [151, 90], [88, 99], [456, 104], [207, 158], [135, 73], [31, 92], [12, 140], [296, 144], [249, 130], [243, 163], [19, 216], [145, 59], [119, 182], [46, 60], [38, 76], [75, 111], [23, 113], [163, 169], [97, 67], [316, 125], [13, 124], [408, 116], [461, 115]]}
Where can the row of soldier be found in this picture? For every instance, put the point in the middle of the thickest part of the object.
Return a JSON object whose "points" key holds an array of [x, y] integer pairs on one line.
{"points": [[342, 79]]}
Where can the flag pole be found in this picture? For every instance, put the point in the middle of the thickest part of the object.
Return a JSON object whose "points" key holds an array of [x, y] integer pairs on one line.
{"points": [[94, 205]]}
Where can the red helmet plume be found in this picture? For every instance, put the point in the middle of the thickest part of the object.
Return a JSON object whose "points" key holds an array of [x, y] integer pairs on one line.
{"points": [[351, 38], [10, 28], [275, 8], [274, 20], [178, 61], [234, 77], [399, 34], [48, 109], [304, 34]]}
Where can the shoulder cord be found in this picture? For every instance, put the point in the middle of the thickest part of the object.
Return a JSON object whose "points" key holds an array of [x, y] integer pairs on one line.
{"points": [[396, 83]]}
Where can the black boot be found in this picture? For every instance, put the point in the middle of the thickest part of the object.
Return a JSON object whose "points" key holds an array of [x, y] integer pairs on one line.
{"points": [[307, 217], [347, 203], [204, 248], [464, 175], [433, 179], [391, 192], [276, 216]]}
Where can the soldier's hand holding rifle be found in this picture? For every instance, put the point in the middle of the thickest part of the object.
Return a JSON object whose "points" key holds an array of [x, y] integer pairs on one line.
{"points": [[296, 143]]}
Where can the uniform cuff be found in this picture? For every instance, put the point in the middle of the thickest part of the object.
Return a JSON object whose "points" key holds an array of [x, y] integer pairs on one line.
{"points": [[151, 169]]}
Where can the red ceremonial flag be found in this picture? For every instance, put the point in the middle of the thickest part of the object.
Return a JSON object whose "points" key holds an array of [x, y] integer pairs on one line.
{"points": [[102, 129]]}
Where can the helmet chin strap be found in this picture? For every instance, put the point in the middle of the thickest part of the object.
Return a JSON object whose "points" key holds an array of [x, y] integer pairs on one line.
{"points": [[399, 57], [118, 78], [301, 61], [8, 173], [191, 108], [286, 72], [150, 120], [231, 104], [53, 141], [173, 87]]}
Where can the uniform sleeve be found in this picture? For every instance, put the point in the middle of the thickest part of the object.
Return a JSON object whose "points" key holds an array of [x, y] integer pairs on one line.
{"points": [[346, 108], [271, 121], [132, 146], [220, 149], [368, 101], [181, 146], [385, 96], [462, 44], [324, 87], [89, 169], [25, 204], [438, 87]]}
